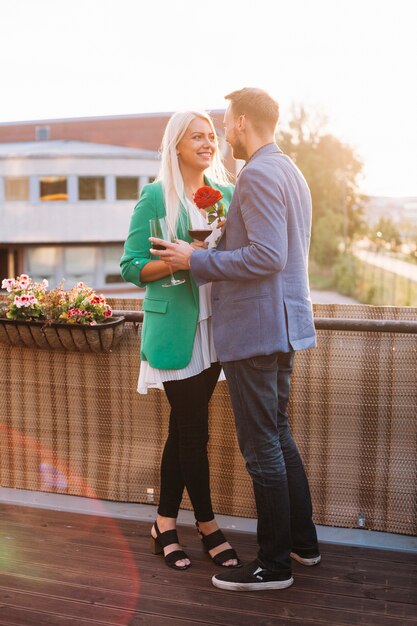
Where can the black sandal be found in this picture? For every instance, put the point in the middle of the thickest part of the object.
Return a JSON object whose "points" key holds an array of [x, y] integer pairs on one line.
{"points": [[166, 539], [216, 539]]}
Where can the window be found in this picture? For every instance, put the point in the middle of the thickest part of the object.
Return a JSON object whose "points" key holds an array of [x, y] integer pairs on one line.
{"points": [[16, 188], [79, 264], [41, 262], [42, 133], [127, 188], [91, 188], [96, 266], [53, 188], [111, 260]]}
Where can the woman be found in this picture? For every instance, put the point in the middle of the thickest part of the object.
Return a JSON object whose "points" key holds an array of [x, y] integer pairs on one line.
{"points": [[177, 350]]}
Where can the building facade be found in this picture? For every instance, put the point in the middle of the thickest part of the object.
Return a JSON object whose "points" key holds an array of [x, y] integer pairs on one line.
{"points": [[67, 191], [65, 208]]}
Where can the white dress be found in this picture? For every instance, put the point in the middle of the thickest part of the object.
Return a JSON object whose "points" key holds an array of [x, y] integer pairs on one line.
{"points": [[204, 353]]}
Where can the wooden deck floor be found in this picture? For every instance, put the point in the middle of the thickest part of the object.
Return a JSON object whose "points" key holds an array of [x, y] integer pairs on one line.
{"points": [[58, 568]]}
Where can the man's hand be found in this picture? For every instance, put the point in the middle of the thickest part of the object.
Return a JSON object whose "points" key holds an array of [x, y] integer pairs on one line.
{"points": [[177, 254]]}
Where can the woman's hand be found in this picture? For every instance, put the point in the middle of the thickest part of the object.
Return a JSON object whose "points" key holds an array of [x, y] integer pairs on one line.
{"points": [[177, 254], [199, 245], [155, 270]]}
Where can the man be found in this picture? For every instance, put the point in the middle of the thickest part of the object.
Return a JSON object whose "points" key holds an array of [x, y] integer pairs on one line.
{"points": [[261, 314]]}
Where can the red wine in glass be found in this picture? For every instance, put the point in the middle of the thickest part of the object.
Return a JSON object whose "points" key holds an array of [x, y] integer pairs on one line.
{"points": [[200, 234], [159, 228]]}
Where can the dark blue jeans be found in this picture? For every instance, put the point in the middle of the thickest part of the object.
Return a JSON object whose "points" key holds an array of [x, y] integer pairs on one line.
{"points": [[259, 389]]}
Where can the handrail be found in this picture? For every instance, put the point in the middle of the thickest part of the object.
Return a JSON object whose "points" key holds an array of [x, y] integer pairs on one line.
{"points": [[327, 323], [365, 325]]}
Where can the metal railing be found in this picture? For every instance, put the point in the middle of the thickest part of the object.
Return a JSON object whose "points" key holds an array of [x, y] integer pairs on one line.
{"points": [[326, 323]]}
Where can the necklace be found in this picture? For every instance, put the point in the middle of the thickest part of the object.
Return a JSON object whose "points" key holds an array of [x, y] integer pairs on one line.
{"points": [[190, 193], [189, 190]]}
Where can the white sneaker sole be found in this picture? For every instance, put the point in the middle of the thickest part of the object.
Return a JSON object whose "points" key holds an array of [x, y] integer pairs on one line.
{"points": [[230, 586], [308, 562]]}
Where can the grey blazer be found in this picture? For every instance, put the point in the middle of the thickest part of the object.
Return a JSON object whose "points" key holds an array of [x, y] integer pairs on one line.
{"points": [[260, 295]]}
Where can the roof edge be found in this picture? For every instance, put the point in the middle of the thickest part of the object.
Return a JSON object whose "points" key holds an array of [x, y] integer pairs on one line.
{"points": [[98, 117]]}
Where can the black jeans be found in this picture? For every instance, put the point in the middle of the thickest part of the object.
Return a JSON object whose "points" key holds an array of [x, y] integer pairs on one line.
{"points": [[184, 459], [259, 389]]}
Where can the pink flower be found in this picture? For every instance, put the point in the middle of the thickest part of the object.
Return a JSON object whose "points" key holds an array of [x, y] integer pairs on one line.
{"points": [[9, 284], [23, 281], [96, 299], [29, 299]]}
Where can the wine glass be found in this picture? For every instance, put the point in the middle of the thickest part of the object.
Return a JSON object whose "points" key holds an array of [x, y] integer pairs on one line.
{"points": [[200, 234], [159, 228]]}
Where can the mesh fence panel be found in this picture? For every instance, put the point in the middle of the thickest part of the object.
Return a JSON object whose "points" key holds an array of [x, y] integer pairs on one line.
{"points": [[73, 423]]}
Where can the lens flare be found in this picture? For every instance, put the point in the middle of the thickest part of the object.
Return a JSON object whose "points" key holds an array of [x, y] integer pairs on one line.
{"points": [[58, 477]]}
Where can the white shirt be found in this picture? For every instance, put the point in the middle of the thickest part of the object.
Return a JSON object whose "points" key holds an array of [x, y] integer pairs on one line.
{"points": [[204, 353]]}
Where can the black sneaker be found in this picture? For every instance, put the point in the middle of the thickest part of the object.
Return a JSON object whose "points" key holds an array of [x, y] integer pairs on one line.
{"points": [[310, 559], [252, 577]]}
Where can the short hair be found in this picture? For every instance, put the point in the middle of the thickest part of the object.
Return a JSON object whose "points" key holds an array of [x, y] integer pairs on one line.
{"points": [[257, 105]]}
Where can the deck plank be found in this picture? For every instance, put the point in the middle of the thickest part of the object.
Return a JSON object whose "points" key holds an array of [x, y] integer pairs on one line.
{"points": [[59, 568]]}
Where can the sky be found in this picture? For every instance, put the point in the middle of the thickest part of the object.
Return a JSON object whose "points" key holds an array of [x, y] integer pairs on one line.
{"points": [[354, 61]]}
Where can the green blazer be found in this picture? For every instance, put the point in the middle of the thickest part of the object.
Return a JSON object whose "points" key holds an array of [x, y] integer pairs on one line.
{"points": [[170, 315]]}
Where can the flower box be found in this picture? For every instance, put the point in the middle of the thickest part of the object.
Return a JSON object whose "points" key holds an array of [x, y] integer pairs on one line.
{"points": [[57, 336], [77, 319]]}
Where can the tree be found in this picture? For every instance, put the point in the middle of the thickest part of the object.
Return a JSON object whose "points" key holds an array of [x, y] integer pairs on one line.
{"points": [[386, 232], [325, 245], [331, 169]]}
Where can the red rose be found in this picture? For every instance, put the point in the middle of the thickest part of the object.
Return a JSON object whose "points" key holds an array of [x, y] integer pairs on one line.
{"points": [[206, 196]]}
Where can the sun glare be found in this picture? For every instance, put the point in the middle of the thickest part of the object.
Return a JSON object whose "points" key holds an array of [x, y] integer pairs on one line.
{"points": [[354, 59]]}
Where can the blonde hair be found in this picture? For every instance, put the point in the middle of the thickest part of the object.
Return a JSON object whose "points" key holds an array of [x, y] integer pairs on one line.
{"points": [[170, 173]]}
